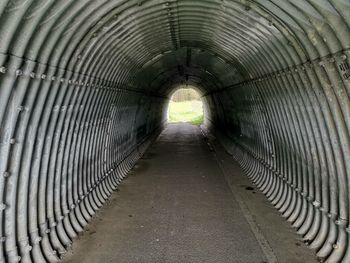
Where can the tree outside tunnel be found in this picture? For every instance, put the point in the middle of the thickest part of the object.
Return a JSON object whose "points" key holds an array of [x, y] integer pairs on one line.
{"points": [[186, 105]]}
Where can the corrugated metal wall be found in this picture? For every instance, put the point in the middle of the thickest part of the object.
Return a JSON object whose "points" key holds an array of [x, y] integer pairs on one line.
{"points": [[84, 85]]}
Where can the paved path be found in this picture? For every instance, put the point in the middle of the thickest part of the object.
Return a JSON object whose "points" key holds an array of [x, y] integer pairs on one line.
{"points": [[176, 206]]}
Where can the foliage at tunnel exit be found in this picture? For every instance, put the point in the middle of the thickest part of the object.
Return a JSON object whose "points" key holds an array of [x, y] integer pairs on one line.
{"points": [[186, 111]]}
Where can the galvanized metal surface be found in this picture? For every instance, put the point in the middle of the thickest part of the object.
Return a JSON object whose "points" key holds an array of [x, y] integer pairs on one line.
{"points": [[84, 83]]}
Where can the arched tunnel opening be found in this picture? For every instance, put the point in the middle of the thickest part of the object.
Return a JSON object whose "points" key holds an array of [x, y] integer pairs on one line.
{"points": [[186, 105], [84, 88]]}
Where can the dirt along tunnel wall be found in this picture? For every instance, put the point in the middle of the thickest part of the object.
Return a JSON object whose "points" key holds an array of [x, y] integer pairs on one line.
{"points": [[83, 89]]}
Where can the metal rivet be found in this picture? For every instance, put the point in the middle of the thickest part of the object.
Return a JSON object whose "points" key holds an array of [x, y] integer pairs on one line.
{"points": [[3, 70], [12, 141], [6, 174], [37, 240], [2, 239], [32, 75], [2, 206], [43, 76], [343, 57], [19, 72], [316, 203], [47, 231]]}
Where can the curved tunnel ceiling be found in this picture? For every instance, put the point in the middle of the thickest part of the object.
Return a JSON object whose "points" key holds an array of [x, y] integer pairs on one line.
{"points": [[84, 84]]}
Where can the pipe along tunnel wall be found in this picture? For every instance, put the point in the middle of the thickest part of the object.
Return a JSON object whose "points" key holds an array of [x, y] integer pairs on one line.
{"points": [[84, 85]]}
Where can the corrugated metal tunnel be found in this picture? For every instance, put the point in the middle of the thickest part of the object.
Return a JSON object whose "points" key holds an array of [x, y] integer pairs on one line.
{"points": [[84, 87]]}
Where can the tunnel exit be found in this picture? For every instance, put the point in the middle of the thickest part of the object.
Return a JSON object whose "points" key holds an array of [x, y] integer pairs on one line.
{"points": [[186, 105]]}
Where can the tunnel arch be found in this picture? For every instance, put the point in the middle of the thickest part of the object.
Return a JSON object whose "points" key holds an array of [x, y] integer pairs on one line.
{"points": [[82, 83]]}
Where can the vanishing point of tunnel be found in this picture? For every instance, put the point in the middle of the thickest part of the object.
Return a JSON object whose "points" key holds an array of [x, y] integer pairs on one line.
{"points": [[84, 91]]}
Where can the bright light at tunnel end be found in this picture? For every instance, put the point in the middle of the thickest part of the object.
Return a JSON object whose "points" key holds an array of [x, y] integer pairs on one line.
{"points": [[185, 105]]}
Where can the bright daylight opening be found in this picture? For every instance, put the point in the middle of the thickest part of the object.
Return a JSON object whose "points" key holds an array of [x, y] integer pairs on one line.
{"points": [[186, 106]]}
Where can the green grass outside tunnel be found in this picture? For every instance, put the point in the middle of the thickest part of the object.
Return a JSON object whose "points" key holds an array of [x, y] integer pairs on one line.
{"points": [[186, 111]]}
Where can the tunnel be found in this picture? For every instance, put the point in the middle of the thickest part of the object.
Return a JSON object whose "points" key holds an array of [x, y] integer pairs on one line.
{"points": [[85, 85]]}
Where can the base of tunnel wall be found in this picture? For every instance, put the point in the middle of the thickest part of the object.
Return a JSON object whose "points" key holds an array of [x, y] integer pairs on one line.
{"points": [[261, 175], [303, 214], [109, 183]]}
